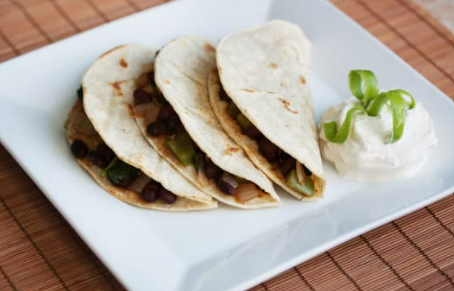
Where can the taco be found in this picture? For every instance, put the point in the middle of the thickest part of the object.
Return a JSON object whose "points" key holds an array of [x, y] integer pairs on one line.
{"points": [[107, 143], [177, 119], [263, 100]]}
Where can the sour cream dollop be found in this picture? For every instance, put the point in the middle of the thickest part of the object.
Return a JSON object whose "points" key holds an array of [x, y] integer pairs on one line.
{"points": [[367, 155]]}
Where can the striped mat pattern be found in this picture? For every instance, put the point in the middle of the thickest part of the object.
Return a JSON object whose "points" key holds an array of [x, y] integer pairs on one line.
{"points": [[40, 251]]}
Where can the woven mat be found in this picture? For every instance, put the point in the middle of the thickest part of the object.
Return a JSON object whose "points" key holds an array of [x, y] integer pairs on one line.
{"points": [[40, 251]]}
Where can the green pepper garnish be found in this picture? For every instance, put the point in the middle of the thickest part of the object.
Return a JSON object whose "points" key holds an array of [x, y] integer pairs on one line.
{"points": [[182, 147], [307, 188], [232, 110], [335, 136], [120, 173], [364, 86], [243, 121]]}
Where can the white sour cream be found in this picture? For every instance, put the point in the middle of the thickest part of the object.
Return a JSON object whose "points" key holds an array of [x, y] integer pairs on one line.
{"points": [[367, 155]]}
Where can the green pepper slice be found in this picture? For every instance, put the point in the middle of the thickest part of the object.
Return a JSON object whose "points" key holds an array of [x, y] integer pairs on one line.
{"points": [[243, 121], [363, 85], [330, 128], [120, 173], [182, 147], [199, 162], [292, 181], [232, 110]]}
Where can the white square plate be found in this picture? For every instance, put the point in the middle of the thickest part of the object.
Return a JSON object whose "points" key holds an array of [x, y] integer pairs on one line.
{"points": [[223, 249]]}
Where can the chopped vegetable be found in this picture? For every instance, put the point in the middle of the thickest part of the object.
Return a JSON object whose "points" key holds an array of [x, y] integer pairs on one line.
{"points": [[306, 188], [201, 176], [246, 192], [300, 173], [199, 166], [243, 121], [198, 160], [182, 147], [121, 174], [227, 183], [148, 111], [232, 110], [139, 184]]}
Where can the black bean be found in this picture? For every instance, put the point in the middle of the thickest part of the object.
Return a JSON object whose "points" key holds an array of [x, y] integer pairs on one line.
{"points": [[150, 192], [141, 96], [150, 77], [253, 132], [97, 159], [154, 128], [211, 170], [124, 183], [80, 93], [79, 149], [286, 163], [104, 150], [167, 196], [225, 187], [223, 95], [158, 97], [166, 113], [268, 149], [173, 125], [307, 171]]}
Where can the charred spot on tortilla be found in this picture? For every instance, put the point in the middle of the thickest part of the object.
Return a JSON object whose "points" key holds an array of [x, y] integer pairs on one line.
{"points": [[286, 105], [296, 53], [231, 150], [273, 66], [303, 80], [167, 81], [270, 92], [117, 88], [123, 63], [248, 90], [209, 48]]}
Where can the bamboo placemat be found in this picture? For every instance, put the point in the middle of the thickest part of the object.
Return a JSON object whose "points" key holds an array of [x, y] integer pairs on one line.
{"points": [[40, 251]]}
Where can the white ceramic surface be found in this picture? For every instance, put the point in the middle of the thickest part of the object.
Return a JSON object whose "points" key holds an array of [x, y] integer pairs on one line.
{"points": [[222, 249]]}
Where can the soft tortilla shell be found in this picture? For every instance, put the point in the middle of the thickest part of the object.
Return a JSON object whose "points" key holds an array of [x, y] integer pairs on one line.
{"points": [[182, 68], [266, 72], [108, 96]]}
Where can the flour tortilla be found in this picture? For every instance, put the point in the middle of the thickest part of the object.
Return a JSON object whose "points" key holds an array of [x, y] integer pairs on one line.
{"points": [[266, 73], [108, 95], [181, 73]]}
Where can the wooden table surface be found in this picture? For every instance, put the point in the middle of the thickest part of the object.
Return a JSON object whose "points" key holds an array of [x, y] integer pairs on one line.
{"points": [[40, 251]]}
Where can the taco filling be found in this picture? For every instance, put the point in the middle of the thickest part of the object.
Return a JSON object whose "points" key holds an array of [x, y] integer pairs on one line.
{"points": [[88, 147], [295, 175], [164, 126]]}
